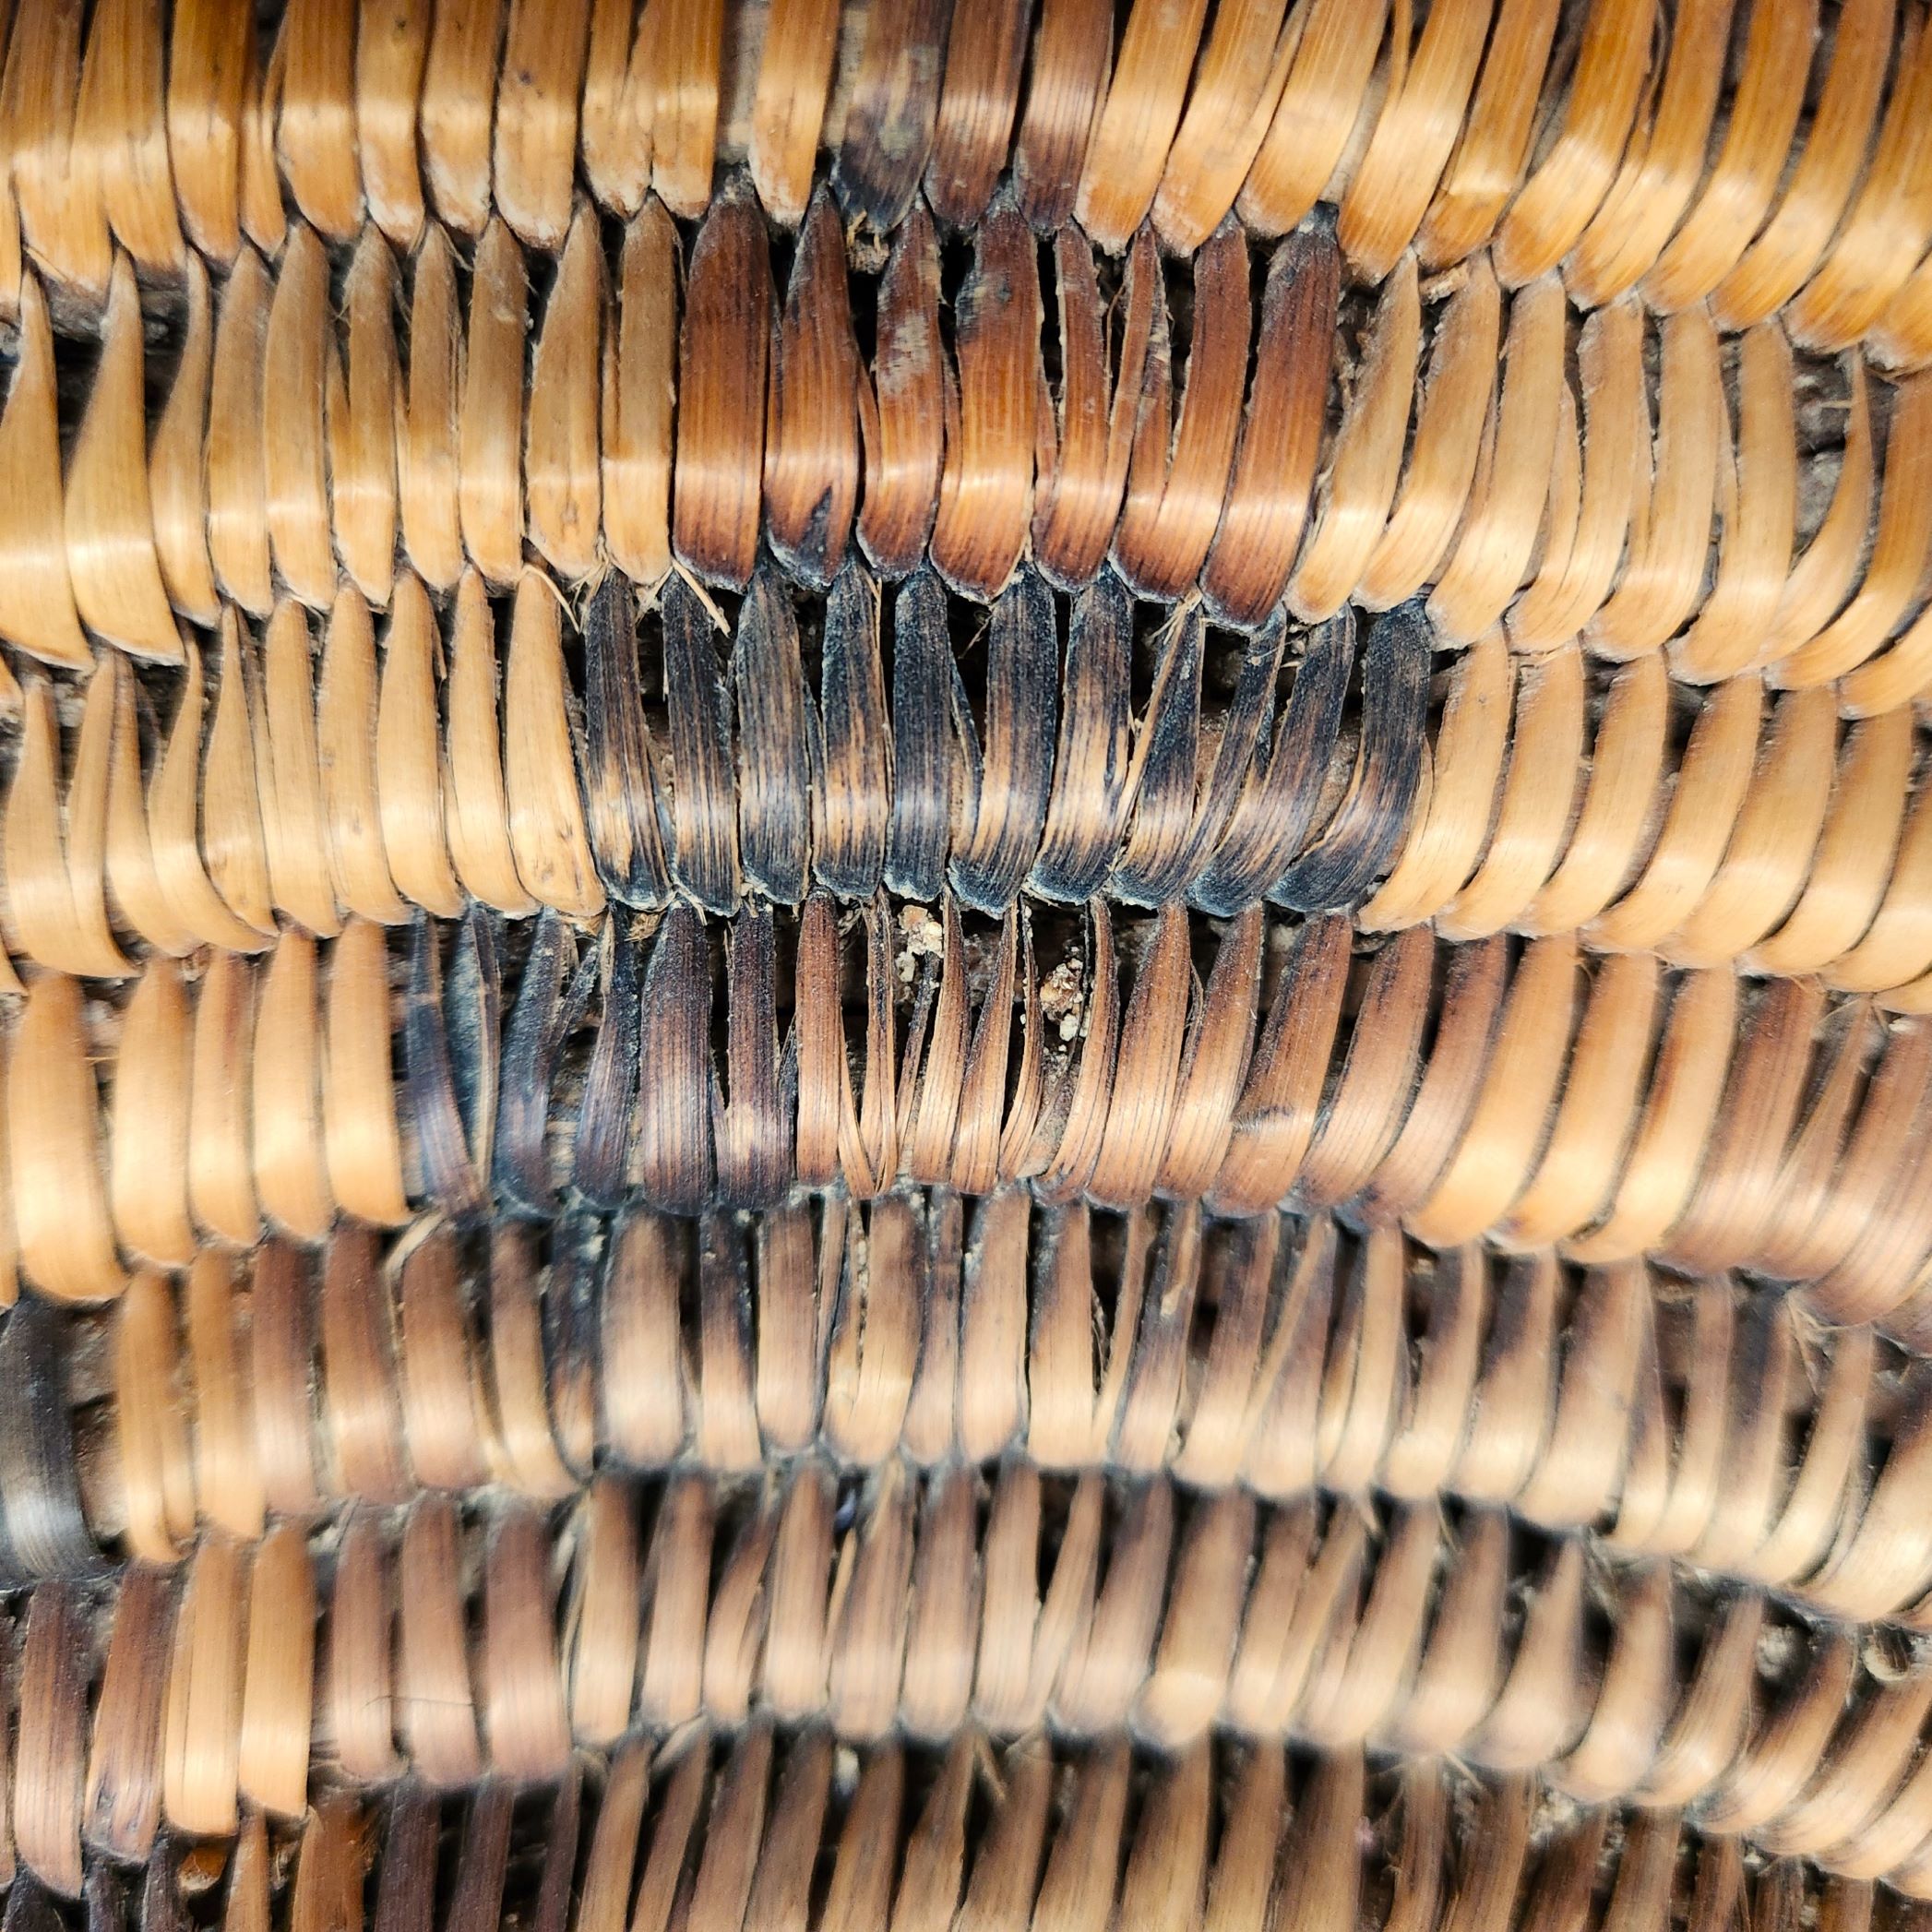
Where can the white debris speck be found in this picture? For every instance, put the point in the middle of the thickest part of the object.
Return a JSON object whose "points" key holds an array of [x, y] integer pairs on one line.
{"points": [[923, 936], [1060, 1000]]}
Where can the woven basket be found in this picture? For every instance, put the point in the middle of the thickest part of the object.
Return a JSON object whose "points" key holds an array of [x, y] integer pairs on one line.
{"points": [[965, 966]]}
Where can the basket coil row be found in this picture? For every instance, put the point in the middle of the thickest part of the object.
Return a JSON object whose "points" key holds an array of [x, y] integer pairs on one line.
{"points": [[1615, 1114], [920, 1605], [760, 1830], [1639, 486], [1545, 797], [1634, 147], [1700, 1421]]}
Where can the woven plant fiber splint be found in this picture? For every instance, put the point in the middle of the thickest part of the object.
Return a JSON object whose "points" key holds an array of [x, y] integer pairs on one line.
{"points": [[965, 966]]}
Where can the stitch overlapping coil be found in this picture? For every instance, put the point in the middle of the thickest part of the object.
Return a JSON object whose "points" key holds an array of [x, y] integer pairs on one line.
{"points": [[965, 966]]}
